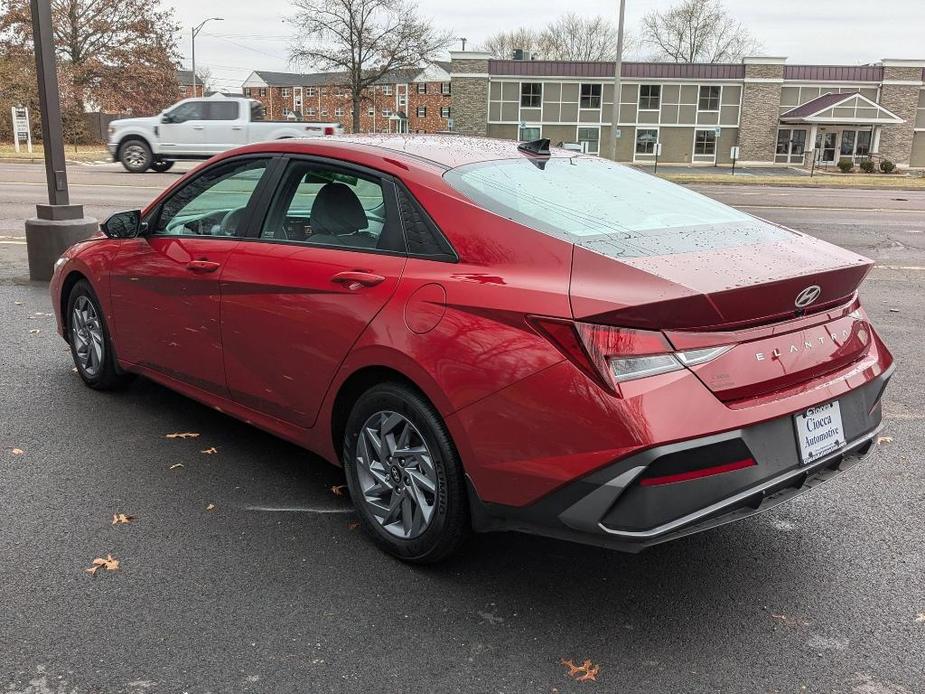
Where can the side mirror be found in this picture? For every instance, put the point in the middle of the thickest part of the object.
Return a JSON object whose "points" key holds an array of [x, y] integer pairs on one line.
{"points": [[123, 225], [167, 118]]}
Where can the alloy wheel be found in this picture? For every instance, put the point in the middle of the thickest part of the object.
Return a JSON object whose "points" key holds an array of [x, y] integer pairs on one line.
{"points": [[87, 336], [396, 473], [135, 155]]}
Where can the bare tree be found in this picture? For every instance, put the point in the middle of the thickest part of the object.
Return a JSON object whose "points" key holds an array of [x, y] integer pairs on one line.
{"points": [[697, 31], [572, 37], [364, 38], [502, 44]]}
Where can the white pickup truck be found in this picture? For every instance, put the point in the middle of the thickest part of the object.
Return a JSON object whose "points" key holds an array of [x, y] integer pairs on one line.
{"points": [[199, 129]]}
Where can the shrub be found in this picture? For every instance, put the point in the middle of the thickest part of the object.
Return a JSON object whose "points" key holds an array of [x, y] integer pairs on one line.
{"points": [[867, 166], [886, 166], [845, 165]]}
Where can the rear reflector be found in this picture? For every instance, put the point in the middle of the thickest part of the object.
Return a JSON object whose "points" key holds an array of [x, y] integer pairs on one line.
{"points": [[696, 474]]}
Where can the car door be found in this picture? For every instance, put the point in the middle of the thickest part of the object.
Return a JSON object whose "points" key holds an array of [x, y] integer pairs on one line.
{"points": [[328, 257], [226, 129], [165, 285], [183, 129]]}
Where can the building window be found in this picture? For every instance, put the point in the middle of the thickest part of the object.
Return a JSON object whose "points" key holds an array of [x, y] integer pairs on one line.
{"points": [[402, 100], [705, 142], [863, 147], [422, 112], [445, 112], [709, 98], [531, 94], [247, 91], [285, 91], [650, 97], [309, 91], [310, 112], [445, 88], [590, 96], [262, 91], [591, 138], [338, 111], [387, 90], [530, 133], [386, 112], [324, 112], [422, 87], [371, 112], [645, 140]]}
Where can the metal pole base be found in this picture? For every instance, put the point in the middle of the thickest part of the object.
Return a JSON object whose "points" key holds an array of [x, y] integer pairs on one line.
{"points": [[53, 230]]}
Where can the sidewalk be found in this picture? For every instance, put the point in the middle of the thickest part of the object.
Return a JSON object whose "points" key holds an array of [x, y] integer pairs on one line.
{"points": [[793, 177]]}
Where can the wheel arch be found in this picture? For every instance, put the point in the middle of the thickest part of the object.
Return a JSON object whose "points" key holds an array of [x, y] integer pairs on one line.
{"points": [[72, 278], [133, 136]]}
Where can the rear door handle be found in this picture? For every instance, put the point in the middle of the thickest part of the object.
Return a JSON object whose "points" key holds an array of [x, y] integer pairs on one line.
{"points": [[236, 127], [354, 279], [199, 127], [202, 266]]}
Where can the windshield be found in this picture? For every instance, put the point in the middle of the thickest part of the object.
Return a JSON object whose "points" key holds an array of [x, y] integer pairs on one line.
{"points": [[614, 209]]}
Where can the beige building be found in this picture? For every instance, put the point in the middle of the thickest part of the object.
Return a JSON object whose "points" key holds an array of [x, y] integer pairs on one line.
{"points": [[689, 113]]}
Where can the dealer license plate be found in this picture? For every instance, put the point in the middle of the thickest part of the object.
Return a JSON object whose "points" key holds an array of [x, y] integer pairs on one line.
{"points": [[819, 431]]}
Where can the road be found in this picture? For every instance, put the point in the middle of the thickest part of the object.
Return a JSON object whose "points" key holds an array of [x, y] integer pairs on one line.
{"points": [[275, 590]]}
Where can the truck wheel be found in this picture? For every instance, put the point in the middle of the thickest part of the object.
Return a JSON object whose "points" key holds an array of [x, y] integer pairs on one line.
{"points": [[160, 166], [135, 156]]}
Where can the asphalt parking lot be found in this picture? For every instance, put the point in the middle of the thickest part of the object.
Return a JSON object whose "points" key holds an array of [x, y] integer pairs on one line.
{"points": [[243, 570]]}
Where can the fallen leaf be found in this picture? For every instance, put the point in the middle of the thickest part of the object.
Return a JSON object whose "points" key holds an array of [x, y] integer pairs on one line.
{"points": [[108, 563], [338, 489], [792, 621], [18, 303], [210, 451], [74, 370], [210, 507], [183, 435], [920, 617], [176, 465], [34, 331], [586, 672], [17, 451], [122, 519], [884, 439], [352, 525], [894, 310]]}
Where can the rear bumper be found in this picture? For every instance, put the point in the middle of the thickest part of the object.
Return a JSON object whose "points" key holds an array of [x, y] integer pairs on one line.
{"points": [[610, 508]]}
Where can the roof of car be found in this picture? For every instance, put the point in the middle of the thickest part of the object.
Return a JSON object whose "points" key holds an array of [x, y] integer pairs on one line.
{"points": [[447, 150]]}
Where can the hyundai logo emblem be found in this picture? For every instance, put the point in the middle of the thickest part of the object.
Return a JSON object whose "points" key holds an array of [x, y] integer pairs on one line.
{"points": [[808, 296]]}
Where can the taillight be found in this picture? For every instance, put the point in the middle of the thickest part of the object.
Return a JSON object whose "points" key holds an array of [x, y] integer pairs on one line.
{"points": [[612, 355], [328, 130]]}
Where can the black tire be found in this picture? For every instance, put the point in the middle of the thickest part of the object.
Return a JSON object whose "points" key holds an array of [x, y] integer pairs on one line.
{"points": [[135, 155], [449, 524], [160, 166], [103, 375]]}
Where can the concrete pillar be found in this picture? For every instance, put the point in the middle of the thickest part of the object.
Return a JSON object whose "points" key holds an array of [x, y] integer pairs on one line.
{"points": [[760, 115], [469, 80], [899, 92], [53, 230]]}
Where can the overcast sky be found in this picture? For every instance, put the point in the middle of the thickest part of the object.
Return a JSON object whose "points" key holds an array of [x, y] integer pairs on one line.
{"points": [[254, 36]]}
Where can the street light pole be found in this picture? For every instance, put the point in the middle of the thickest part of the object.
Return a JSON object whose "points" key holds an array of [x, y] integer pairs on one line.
{"points": [[618, 67], [59, 224], [196, 31]]}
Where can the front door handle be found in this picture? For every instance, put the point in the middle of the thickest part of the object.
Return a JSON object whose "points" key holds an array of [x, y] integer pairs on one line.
{"points": [[354, 279], [202, 266], [199, 127]]}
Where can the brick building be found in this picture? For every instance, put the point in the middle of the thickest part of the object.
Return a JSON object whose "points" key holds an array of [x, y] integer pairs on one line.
{"points": [[185, 84], [774, 112], [402, 101]]}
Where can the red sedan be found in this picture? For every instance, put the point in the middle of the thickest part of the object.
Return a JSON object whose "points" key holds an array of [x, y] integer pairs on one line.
{"points": [[489, 335]]}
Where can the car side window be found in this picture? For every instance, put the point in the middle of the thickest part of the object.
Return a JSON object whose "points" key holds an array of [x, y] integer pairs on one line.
{"points": [[214, 203], [327, 206], [191, 110], [223, 110]]}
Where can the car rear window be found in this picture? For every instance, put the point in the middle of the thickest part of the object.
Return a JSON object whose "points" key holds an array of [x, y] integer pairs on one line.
{"points": [[616, 210]]}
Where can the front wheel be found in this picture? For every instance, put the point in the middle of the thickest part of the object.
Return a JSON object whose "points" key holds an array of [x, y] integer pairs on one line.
{"points": [[160, 166], [88, 336], [404, 475], [136, 156]]}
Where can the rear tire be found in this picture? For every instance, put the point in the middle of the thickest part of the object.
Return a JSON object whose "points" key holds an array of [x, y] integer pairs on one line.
{"points": [[405, 476], [160, 166], [88, 336], [135, 155]]}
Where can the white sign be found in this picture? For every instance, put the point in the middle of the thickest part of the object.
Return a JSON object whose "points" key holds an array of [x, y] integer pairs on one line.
{"points": [[820, 431], [618, 133], [658, 149], [734, 153], [21, 130]]}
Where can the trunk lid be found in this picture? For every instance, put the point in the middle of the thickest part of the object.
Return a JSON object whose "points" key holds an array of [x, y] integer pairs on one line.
{"points": [[714, 288]]}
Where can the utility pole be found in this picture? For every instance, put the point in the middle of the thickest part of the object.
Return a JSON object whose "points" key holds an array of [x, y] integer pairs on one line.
{"points": [[59, 224], [618, 67], [196, 30]]}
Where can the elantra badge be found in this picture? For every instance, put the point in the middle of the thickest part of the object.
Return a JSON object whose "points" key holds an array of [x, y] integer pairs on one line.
{"points": [[808, 296]]}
